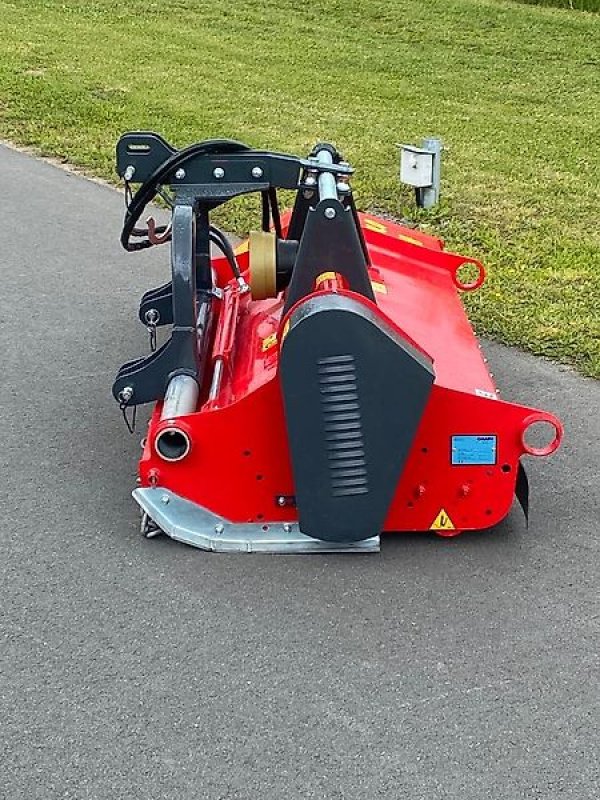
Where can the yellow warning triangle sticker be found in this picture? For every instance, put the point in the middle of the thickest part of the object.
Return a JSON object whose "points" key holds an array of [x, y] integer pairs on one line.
{"points": [[442, 522]]}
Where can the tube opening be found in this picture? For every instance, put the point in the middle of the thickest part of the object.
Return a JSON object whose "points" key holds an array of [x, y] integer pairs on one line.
{"points": [[172, 444]]}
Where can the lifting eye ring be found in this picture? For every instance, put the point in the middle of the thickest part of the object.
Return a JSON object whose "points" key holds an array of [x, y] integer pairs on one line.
{"points": [[552, 445], [472, 285]]}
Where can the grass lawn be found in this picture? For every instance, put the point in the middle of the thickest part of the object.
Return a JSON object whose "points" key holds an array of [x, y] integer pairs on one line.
{"points": [[576, 5], [513, 89]]}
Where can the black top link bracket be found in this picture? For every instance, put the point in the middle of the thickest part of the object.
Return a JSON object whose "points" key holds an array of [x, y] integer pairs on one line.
{"points": [[200, 178]]}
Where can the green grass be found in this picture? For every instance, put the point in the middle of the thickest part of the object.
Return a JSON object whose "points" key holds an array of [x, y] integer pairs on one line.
{"points": [[513, 89], [573, 5]]}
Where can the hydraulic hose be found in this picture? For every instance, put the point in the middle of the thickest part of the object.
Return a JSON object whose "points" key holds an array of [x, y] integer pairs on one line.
{"points": [[222, 242], [147, 191]]}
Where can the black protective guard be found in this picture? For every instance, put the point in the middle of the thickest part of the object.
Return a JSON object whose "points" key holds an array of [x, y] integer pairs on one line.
{"points": [[354, 394]]}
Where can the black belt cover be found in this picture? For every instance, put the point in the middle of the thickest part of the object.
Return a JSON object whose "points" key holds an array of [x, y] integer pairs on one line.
{"points": [[354, 393]]}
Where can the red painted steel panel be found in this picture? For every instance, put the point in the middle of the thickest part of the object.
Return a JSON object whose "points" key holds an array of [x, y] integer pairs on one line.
{"points": [[239, 463]]}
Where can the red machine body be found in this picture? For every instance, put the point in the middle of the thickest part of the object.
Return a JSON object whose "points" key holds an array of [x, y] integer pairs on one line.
{"points": [[464, 465]]}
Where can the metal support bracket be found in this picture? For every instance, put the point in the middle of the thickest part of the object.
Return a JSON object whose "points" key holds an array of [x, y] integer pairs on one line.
{"points": [[144, 380], [197, 526], [156, 305], [330, 240]]}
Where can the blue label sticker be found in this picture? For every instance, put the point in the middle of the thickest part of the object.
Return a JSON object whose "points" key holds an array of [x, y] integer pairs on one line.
{"points": [[477, 450]]}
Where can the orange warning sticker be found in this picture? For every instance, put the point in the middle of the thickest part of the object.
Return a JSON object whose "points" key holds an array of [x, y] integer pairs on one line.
{"points": [[268, 342], [377, 226], [325, 276], [442, 522], [410, 240], [379, 287], [374, 225]]}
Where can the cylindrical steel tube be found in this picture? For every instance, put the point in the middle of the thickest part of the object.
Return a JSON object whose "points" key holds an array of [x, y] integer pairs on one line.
{"points": [[181, 397], [327, 180], [216, 379], [204, 321]]}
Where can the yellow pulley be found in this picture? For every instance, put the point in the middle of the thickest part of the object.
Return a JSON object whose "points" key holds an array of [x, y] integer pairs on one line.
{"points": [[263, 263]]}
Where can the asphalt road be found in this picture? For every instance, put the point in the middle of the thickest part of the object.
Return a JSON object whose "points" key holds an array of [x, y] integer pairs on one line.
{"points": [[463, 668]]}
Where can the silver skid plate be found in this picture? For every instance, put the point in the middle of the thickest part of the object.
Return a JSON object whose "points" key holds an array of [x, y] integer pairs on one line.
{"points": [[190, 523]]}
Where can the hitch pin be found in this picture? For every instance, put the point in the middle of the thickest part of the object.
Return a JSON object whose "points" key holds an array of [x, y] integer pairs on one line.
{"points": [[152, 318], [157, 238]]}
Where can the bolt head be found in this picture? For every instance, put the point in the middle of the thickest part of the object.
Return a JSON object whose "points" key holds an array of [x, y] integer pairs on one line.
{"points": [[129, 172], [152, 316], [165, 499], [218, 173], [281, 500], [257, 172], [126, 394], [287, 527], [219, 528], [310, 180], [330, 213], [180, 174], [343, 187]]}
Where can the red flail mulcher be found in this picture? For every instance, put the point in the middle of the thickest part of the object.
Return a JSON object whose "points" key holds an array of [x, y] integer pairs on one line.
{"points": [[321, 384]]}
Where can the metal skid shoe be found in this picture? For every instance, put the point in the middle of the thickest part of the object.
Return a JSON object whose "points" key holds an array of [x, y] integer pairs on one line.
{"points": [[189, 523], [321, 384]]}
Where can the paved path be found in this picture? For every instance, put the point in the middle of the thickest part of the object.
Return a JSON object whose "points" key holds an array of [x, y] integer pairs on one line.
{"points": [[441, 669]]}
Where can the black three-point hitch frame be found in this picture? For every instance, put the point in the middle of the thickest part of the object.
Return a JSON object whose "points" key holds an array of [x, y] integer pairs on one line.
{"points": [[324, 233]]}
